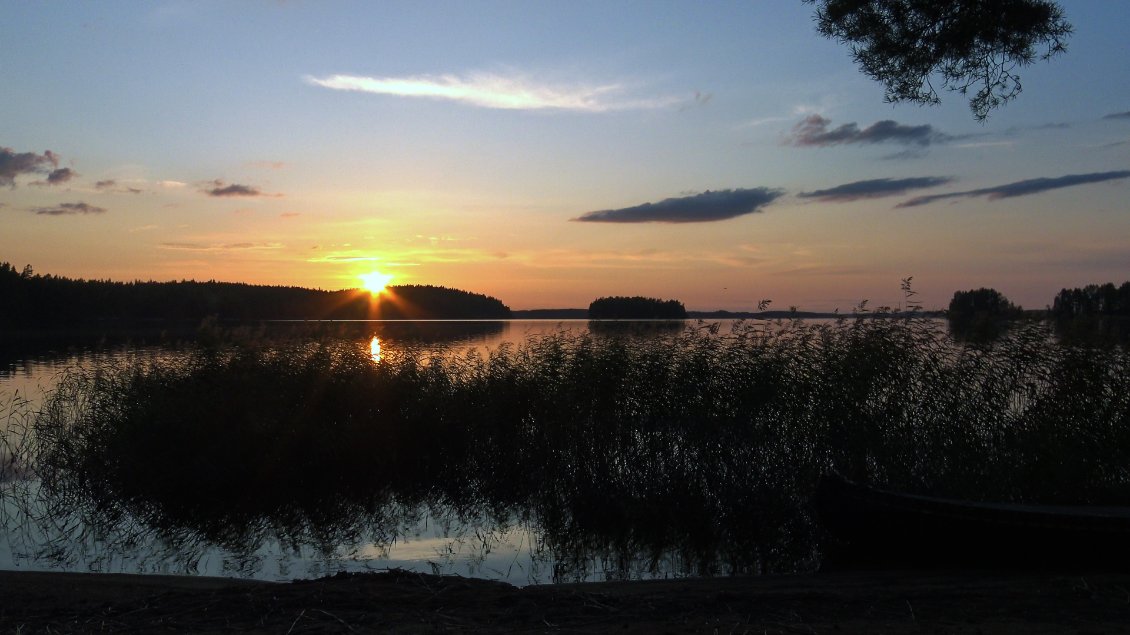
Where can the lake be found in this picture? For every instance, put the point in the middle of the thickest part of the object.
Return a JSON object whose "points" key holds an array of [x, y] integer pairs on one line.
{"points": [[430, 538], [528, 451]]}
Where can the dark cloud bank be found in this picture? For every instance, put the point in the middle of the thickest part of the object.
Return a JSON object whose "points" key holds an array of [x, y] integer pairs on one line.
{"points": [[65, 209], [813, 131], [1118, 115], [874, 188], [699, 208], [14, 164], [1023, 188]]}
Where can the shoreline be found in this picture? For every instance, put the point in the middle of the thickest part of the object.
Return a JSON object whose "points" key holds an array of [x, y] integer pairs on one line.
{"points": [[406, 602]]}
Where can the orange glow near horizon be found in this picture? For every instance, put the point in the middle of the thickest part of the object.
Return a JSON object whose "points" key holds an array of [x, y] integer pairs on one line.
{"points": [[375, 281]]}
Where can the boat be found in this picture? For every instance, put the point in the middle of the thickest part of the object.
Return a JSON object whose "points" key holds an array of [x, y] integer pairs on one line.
{"points": [[871, 527]]}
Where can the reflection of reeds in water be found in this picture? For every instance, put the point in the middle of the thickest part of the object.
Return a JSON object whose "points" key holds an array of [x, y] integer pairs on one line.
{"points": [[15, 423], [691, 451]]}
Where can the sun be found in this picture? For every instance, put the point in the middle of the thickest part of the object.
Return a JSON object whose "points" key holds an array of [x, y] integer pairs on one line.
{"points": [[375, 281]]}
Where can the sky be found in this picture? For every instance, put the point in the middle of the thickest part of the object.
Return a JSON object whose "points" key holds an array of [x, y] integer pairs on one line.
{"points": [[548, 153]]}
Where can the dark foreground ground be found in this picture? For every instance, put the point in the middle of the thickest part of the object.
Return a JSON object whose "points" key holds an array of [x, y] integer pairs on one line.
{"points": [[402, 602]]}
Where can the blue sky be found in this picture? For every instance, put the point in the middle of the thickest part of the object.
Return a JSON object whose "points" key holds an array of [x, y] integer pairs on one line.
{"points": [[548, 153]]}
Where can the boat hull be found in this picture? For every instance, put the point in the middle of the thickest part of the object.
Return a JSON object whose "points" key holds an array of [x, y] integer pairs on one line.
{"points": [[880, 528]]}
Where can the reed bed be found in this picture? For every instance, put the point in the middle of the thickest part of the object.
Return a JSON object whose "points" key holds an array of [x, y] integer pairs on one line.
{"points": [[693, 450]]}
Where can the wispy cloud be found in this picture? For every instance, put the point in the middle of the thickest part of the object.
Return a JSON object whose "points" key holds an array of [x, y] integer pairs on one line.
{"points": [[761, 121], [874, 188], [795, 111], [813, 131], [905, 155], [1005, 143], [488, 90], [110, 185], [1023, 188], [699, 208], [65, 209], [1014, 131], [14, 164], [192, 246], [822, 270], [268, 165], [674, 259], [336, 258], [1118, 115]]}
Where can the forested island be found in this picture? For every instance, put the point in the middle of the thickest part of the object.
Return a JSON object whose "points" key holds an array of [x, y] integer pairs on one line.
{"points": [[636, 308], [34, 300]]}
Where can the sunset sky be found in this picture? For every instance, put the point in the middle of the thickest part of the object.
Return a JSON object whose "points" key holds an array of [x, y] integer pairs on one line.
{"points": [[548, 153]]}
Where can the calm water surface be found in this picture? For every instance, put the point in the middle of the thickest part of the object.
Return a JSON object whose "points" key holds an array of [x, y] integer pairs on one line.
{"points": [[32, 369], [433, 537]]}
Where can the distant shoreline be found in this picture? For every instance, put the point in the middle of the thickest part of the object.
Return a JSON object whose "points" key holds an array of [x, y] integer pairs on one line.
{"points": [[156, 328], [402, 602], [582, 314]]}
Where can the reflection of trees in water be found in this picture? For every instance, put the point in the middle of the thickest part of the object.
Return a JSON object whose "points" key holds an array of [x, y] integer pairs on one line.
{"points": [[636, 327], [1096, 331], [18, 352], [690, 452], [78, 343], [428, 331], [440, 331]]}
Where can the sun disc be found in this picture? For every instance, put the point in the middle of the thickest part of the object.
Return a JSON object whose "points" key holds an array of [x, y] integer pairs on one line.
{"points": [[375, 281]]}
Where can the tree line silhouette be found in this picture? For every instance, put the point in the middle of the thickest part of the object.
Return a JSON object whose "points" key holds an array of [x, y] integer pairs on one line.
{"points": [[1094, 313], [34, 300], [1092, 300], [28, 299]]}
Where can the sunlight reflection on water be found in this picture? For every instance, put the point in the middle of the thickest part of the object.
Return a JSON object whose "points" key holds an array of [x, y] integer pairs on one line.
{"points": [[375, 349]]}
